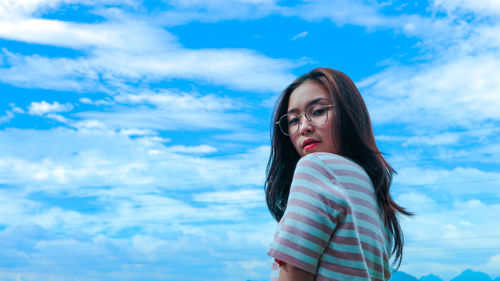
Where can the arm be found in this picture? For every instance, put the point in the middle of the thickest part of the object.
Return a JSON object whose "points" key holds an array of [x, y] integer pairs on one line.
{"points": [[289, 272], [313, 209]]}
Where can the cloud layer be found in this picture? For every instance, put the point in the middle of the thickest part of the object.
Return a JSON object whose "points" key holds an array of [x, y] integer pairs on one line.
{"points": [[126, 155]]}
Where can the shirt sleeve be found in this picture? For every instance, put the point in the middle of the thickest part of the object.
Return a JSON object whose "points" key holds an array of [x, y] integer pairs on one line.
{"points": [[315, 206]]}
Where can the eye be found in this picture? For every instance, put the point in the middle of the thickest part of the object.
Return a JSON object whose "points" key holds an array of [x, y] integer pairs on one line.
{"points": [[319, 111], [293, 121]]}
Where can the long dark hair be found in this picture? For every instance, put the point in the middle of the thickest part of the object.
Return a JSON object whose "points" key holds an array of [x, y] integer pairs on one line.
{"points": [[357, 143]]}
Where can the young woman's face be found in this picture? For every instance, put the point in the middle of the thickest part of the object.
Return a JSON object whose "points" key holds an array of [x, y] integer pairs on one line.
{"points": [[310, 138]]}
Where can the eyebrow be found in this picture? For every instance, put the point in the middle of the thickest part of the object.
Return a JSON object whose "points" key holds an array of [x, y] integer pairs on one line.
{"points": [[294, 110]]}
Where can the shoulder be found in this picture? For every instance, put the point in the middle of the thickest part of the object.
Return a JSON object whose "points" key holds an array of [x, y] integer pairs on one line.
{"points": [[332, 166], [314, 172], [313, 165], [329, 161]]}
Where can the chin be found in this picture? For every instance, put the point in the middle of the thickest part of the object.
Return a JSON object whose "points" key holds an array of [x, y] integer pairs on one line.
{"points": [[309, 151]]}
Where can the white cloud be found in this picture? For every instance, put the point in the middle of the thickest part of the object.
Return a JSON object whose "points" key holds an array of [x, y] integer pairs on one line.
{"points": [[244, 136], [484, 39], [417, 201], [94, 157], [442, 236], [440, 139], [455, 84], [85, 100], [447, 139], [371, 16], [9, 115], [253, 264], [215, 3], [181, 12], [17, 8], [239, 69], [17, 110], [232, 197], [45, 73], [300, 35], [60, 156], [342, 12], [147, 244], [89, 124], [137, 37], [16, 206], [13, 8], [492, 266], [485, 7], [459, 181], [166, 226], [168, 110], [96, 102], [58, 118], [180, 101], [161, 119], [216, 10], [126, 48], [193, 149], [437, 91], [100, 257], [43, 107], [137, 132]]}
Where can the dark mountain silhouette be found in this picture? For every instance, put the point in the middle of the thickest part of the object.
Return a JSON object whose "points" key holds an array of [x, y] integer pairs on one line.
{"points": [[401, 276], [467, 275], [470, 275], [430, 277]]}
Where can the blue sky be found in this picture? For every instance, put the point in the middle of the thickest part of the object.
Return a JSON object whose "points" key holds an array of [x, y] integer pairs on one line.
{"points": [[134, 135]]}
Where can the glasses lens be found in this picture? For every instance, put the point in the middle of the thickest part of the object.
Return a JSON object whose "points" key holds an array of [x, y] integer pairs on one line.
{"points": [[289, 124], [317, 115]]}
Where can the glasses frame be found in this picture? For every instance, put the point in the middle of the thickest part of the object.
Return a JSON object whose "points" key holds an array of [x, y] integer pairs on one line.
{"points": [[299, 116]]}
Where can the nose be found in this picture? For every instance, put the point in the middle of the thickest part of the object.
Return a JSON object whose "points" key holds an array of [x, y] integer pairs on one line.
{"points": [[305, 126]]}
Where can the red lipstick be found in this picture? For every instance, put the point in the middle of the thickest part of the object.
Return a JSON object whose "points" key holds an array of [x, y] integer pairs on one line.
{"points": [[310, 144]]}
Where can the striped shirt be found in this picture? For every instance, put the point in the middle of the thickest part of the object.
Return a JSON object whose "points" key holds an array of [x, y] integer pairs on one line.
{"points": [[332, 225]]}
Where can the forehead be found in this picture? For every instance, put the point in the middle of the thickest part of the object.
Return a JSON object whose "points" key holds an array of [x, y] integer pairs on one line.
{"points": [[304, 94]]}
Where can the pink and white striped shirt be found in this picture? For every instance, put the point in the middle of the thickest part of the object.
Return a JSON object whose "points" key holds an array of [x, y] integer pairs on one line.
{"points": [[332, 226]]}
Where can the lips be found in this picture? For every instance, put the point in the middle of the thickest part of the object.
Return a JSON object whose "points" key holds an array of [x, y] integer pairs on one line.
{"points": [[310, 144]]}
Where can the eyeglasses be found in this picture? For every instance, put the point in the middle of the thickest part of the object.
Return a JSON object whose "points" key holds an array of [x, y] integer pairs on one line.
{"points": [[316, 115]]}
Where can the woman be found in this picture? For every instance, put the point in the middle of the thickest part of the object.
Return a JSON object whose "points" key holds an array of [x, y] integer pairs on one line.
{"points": [[327, 185]]}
